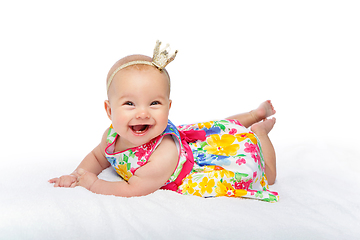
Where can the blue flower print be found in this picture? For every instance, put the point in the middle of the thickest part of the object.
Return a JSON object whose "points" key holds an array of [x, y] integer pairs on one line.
{"points": [[203, 159], [220, 160], [111, 160], [210, 131]]}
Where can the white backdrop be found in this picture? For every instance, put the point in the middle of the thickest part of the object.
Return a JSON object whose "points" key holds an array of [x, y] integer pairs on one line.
{"points": [[303, 55], [55, 55]]}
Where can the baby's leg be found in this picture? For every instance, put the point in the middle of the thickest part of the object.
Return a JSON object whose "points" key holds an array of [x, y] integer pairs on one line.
{"points": [[262, 130], [265, 110]]}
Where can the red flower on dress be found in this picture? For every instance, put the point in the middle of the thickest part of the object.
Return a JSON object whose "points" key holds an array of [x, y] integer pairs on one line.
{"points": [[256, 158], [241, 161], [140, 152], [243, 185], [250, 148], [233, 131]]}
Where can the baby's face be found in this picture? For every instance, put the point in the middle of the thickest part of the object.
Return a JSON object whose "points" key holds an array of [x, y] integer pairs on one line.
{"points": [[140, 104]]}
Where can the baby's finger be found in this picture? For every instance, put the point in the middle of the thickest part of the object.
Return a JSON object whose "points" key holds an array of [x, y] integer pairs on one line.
{"points": [[53, 180], [73, 184]]}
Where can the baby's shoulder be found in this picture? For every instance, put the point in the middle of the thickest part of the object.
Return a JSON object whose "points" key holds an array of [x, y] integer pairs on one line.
{"points": [[166, 150]]}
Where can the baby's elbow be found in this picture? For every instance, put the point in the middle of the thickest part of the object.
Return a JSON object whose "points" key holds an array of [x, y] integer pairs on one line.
{"points": [[271, 182], [271, 179]]}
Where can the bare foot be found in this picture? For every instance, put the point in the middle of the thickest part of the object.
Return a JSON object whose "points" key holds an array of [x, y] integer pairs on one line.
{"points": [[265, 110], [264, 127]]}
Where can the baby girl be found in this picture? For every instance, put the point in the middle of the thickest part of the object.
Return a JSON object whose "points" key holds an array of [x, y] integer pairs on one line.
{"points": [[208, 159]]}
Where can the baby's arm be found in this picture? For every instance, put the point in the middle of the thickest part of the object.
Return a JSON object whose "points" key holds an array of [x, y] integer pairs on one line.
{"points": [[147, 179], [94, 162]]}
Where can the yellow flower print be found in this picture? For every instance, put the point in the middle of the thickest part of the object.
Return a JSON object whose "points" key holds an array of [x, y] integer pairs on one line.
{"points": [[196, 193], [210, 168], [205, 124], [240, 192], [263, 182], [225, 189], [211, 171], [189, 187], [123, 172], [226, 173], [206, 185], [214, 171], [242, 136], [222, 145]]}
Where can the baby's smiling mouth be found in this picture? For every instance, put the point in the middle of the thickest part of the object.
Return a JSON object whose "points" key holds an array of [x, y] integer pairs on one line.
{"points": [[138, 129]]}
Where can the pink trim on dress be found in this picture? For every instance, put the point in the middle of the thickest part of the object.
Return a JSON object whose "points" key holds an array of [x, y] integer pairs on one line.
{"points": [[186, 136]]}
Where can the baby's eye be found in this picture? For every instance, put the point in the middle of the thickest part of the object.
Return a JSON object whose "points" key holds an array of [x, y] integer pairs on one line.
{"points": [[155, 103], [128, 103]]}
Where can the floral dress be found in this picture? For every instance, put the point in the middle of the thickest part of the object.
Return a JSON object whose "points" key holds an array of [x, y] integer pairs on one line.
{"points": [[128, 161], [217, 158], [228, 163]]}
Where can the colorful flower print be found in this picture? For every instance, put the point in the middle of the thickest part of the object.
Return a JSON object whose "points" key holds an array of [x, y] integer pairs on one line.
{"points": [[227, 157], [122, 170], [243, 136], [189, 187], [243, 184], [233, 131], [206, 185], [212, 130], [218, 172], [140, 152], [256, 158], [226, 189], [213, 127], [222, 145], [240, 161], [141, 162], [205, 124], [111, 160], [209, 159], [236, 122], [250, 148], [263, 182], [259, 194], [228, 174]]}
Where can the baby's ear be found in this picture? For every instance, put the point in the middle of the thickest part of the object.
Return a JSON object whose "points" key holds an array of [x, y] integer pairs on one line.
{"points": [[107, 108], [170, 102]]}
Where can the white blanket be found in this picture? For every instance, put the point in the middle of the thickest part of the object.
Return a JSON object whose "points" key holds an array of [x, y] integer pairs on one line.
{"points": [[319, 199]]}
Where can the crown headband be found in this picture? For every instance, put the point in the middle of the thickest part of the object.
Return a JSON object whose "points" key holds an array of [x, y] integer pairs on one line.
{"points": [[160, 59]]}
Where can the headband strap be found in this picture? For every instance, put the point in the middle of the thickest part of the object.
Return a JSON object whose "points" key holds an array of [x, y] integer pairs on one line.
{"points": [[124, 66], [160, 60]]}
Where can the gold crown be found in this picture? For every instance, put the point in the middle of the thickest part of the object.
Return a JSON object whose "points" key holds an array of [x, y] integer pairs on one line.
{"points": [[161, 57], [160, 60]]}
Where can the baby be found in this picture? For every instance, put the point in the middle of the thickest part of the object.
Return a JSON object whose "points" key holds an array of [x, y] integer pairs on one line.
{"points": [[216, 158]]}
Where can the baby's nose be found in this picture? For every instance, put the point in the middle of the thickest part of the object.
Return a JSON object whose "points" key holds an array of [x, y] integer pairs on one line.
{"points": [[142, 114]]}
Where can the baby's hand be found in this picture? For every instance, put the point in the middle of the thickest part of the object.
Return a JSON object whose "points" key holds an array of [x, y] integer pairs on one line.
{"points": [[64, 181], [85, 179]]}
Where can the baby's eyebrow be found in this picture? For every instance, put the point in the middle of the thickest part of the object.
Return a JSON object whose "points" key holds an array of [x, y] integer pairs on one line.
{"points": [[125, 96]]}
